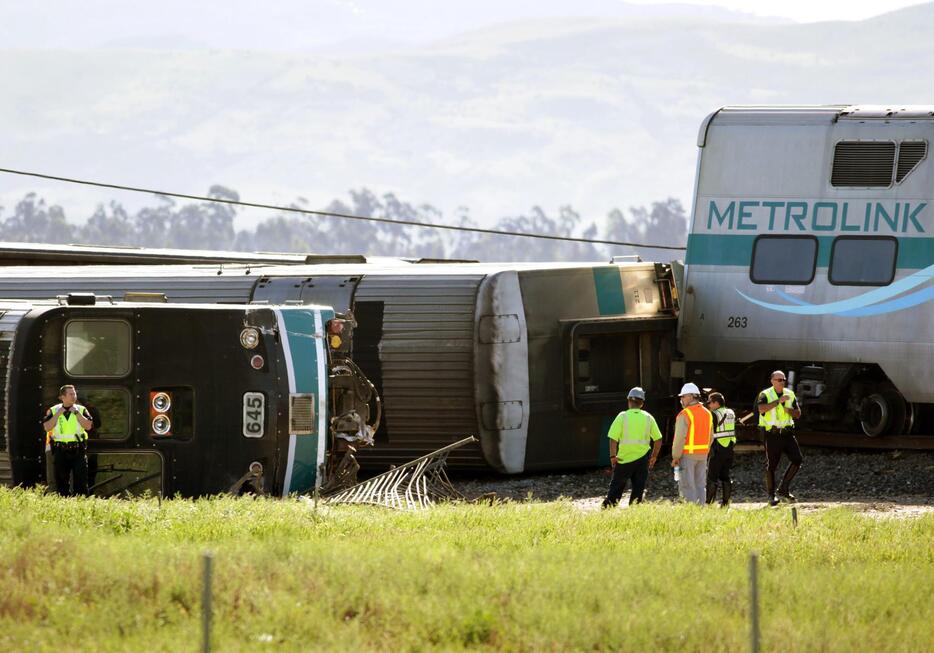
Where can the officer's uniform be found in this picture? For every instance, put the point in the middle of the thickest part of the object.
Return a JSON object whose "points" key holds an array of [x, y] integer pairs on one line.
{"points": [[777, 427], [634, 430], [69, 451], [721, 454]]}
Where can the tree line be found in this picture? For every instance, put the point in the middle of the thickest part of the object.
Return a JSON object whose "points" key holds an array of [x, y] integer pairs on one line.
{"points": [[169, 223]]}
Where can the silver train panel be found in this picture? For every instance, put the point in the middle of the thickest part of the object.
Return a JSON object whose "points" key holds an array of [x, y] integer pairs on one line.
{"points": [[10, 317], [205, 287], [425, 354]]}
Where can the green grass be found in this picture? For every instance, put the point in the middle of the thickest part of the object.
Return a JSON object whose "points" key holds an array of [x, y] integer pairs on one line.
{"points": [[101, 575]]}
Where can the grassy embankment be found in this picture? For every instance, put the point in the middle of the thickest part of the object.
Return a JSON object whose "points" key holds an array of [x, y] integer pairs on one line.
{"points": [[119, 576]]}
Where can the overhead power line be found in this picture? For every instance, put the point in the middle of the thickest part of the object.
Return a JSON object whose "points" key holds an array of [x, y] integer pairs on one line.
{"points": [[332, 214]]}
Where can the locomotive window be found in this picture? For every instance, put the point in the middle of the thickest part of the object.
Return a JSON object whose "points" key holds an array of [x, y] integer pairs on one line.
{"points": [[790, 260], [861, 261], [97, 348], [110, 410]]}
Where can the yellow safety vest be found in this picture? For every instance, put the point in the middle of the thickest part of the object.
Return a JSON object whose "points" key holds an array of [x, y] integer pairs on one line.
{"points": [[634, 430], [67, 429], [725, 433], [778, 417]]}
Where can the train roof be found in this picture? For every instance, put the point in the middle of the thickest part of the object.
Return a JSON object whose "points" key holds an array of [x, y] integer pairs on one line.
{"points": [[21, 254], [23, 305], [812, 115], [384, 267]]}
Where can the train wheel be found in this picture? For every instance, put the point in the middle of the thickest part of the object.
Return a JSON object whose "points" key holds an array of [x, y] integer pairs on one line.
{"points": [[883, 413]]}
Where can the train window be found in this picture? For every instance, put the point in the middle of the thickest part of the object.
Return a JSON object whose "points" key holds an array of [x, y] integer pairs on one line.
{"points": [[606, 363], [97, 348], [789, 260], [124, 474], [110, 409], [863, 164], [863, 261]]}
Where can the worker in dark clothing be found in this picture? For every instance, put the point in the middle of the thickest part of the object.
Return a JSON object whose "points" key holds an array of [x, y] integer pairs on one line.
{"points": [[721, 450], [631, 436], [67, 424], [778, 410]]}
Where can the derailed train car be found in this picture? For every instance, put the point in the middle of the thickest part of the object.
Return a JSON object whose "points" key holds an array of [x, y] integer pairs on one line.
{"points": [[190, 400], [534, 359]]}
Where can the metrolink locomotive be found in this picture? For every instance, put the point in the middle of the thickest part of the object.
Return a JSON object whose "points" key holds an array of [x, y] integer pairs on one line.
{"points": [[187, 399], [811, 250]]}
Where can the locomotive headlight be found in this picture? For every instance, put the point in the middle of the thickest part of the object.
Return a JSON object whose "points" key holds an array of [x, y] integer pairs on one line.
{"points": [[161, 402], [161, 425], [249, 338], [257, 362]]}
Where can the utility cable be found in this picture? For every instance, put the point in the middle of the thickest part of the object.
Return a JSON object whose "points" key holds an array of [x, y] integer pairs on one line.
{"points": [[332, 214]]}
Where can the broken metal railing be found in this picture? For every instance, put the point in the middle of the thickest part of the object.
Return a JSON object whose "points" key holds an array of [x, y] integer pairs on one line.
{"points": [[416, 484]]}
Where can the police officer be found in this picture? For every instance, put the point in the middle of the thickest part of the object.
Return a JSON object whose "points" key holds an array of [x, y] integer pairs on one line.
{"points": [[721, 449], [68, 423], [630, 436], [778, 410], [693, 429]]}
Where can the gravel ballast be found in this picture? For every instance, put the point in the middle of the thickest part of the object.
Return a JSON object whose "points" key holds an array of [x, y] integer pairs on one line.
{"points": [[827, 475]]}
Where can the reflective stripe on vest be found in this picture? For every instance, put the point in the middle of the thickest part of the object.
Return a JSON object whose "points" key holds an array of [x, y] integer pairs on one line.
{"points": [[725, 431], [700, 427], [631, 436], [778, 417], [727, 427], [67, 429]]}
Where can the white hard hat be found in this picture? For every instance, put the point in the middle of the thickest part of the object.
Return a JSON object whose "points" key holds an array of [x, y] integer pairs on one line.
{"points": [[636, 393], [689, 389]]}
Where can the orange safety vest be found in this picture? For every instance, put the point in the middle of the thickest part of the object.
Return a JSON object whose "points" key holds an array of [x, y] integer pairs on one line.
{"points": [[700, 428]]}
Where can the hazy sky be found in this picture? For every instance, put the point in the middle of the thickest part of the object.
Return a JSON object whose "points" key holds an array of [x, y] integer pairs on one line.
{"points": [[353, 25], [804, 10], [489, 104]]}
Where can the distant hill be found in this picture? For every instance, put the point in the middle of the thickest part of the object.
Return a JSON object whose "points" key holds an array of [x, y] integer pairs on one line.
{"points": [[595, 113]]}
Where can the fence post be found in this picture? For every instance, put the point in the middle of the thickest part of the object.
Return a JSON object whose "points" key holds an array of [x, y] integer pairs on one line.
{"points": [[754, 601], [794, 516], [206, 602]]}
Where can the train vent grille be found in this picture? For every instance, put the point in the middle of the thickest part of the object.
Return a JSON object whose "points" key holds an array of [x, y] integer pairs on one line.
{"points": [[863, 164], [910, 154], [302, 414]]}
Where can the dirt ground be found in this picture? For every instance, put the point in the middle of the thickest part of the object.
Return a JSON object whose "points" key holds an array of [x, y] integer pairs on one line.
{"points": [[881, 483]]}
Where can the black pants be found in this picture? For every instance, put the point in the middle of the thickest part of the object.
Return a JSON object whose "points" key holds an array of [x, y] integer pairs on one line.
{"points": [[718, 469], [70, 463], [778, 442], [638, 471]]}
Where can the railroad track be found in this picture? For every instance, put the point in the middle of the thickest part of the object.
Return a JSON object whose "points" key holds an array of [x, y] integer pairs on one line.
{"points": [[857, 441]]}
